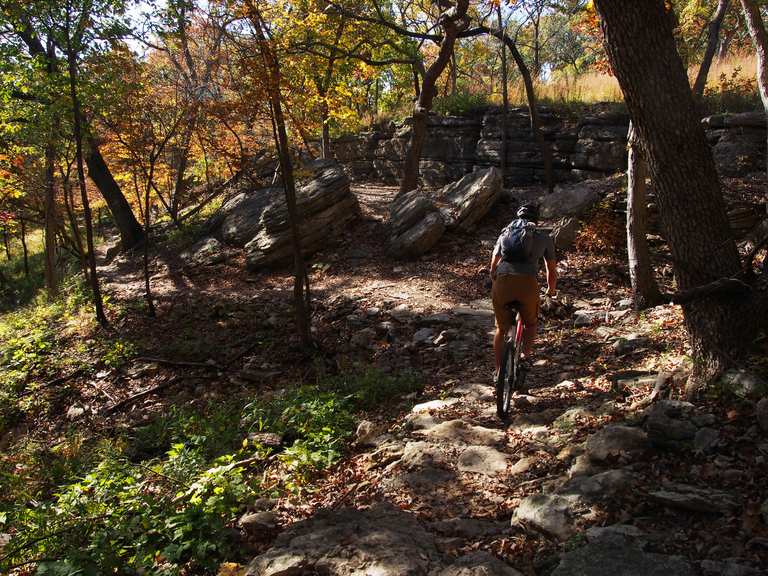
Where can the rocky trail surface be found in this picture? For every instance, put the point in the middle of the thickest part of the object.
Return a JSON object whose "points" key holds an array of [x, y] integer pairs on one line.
{"points": [[601, 468], [571, 485]]}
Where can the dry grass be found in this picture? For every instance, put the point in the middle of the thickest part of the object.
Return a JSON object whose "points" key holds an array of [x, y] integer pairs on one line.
{"points": [[598, 87], [587, 88], [744, 65]]}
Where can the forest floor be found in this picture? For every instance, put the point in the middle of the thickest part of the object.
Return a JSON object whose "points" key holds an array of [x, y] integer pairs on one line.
{"points": [[435, 475]]}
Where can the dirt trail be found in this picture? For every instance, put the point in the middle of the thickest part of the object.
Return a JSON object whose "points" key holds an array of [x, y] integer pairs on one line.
{"points": [[448, 489]]}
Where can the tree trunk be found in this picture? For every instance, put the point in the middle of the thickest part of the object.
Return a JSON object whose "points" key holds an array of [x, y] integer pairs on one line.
{"points": [[640, 43], [180, 185], [759, 37], [131, 232], [24, 246], [7, 245], [376, 101], [645, 291], [530, 94], [78, 241], [452, 26], [713, 34], [51, 280], [454, 73], [325, 142], [145, 252], [504, 100], [272, 69], [94, 279]]}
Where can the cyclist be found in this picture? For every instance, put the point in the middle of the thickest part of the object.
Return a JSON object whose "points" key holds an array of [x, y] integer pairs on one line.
{"points": [[514, 267]]}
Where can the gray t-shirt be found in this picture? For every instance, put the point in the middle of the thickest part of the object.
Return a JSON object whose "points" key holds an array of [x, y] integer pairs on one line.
{"points": [[543, 247]]}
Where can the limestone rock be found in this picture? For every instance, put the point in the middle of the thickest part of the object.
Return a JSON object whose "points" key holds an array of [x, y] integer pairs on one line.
{"points": [[623, 530], [616, 441], [363, 338], [565, 232], [258, 220], [706, 439], [419, 238], [745, 384], [468, 528], [422, 336], [422, 455], [668, 424], [401, 313], [549, 513], [467, 201], [534, 422], [408, 209], [523, 465], [612, 557], [463, 432], [761, 413], [381, 541], [478, 564], [256, 522], [694, 499], [630, 343], [366, 432], [739, 151], [600, 486], [417, 222], [434, 405], [483, 460], [206, 252]]}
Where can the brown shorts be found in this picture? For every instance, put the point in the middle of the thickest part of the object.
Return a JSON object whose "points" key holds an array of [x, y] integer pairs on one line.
{"points": [[521, 287]]}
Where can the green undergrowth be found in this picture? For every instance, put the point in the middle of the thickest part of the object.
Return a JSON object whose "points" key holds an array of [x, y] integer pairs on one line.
{"points": [[16, 286], [164, 498], [459, 103], [49, 338]]}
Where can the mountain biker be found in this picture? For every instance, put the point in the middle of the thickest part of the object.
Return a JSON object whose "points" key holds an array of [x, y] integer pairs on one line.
{"points": [[514, 267]]}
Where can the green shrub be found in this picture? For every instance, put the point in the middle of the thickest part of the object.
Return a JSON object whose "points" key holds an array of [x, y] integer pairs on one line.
{"points": [[372, 389], [459, 103], [162, 499]]}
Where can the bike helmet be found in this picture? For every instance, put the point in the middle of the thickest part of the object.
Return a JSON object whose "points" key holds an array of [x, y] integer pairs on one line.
{"points": [[528, 212]]}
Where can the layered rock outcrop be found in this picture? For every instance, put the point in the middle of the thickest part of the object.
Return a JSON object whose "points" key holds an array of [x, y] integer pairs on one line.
{"points": [[417, 221], [258, 220], [590, 146]]}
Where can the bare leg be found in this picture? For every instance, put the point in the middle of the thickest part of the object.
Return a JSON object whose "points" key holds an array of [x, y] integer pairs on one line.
{"points": [[529, 337], [498, 347]]}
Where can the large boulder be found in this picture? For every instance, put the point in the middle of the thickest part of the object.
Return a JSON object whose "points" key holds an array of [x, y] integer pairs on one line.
{"points": [[258, 220], [417, 221], [382, 540], [620, 556], [466, 201], [574, 200], [415, 225]]}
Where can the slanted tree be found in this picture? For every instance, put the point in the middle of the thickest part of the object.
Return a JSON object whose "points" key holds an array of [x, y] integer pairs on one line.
{"points": [[530, 95], [271, 70], [641, 47], [713, 36], [645, 290], [76, 23], [34, 26], [453, 21], [759, 36]]}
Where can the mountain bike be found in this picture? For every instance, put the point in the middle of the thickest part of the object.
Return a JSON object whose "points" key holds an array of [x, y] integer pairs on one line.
{"points": [[511, 372]]}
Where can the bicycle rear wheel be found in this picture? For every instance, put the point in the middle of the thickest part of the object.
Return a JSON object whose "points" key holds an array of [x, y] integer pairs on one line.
{"points": [[506, 380]]}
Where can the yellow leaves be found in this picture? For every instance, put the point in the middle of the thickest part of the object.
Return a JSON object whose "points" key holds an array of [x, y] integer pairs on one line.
{"points": [[231, 569]]}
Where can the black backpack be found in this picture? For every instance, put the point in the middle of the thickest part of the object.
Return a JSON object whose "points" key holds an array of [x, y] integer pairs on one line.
{"points": [[517, 241]]}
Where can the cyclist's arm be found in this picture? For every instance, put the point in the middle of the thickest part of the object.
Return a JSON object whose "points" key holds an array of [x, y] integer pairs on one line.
{"points": [[551, 265], [495, 258]]}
